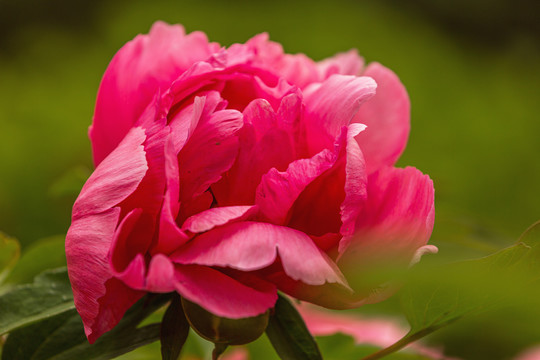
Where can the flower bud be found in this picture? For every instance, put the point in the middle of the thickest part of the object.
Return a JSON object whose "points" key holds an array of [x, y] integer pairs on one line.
{"points": [[224, 330]]}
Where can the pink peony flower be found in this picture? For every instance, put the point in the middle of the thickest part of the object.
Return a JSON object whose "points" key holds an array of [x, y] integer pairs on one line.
{"points": [[229, 174]]}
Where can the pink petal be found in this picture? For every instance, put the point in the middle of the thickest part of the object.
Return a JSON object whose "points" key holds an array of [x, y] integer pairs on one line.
{"points": [[392, 230], [278, 191], [144, 66], [355, 181], [132, 239], [223, 295], [331, 105], [170, 235], [387, 116], [149, 193], [118, 298], [348, 63], [398, 214], [331, 202], [250, 246], [87, 247], [210, 151], [296, 69], [115, 179], [219, 216], [257, 154], [160, 277]]}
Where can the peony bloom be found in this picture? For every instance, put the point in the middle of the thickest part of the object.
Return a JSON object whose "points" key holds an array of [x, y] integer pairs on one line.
{"points": [[229, 174]]}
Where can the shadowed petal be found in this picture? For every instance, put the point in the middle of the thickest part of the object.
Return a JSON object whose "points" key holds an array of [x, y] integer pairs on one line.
{"points": [[223, 295]]}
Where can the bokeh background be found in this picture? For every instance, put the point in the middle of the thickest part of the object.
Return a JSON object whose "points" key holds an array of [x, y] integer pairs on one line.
{"points": [[472, 69]]}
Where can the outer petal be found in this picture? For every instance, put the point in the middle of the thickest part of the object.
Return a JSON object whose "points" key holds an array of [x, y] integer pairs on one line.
{"points": [[144, 66], [332, 105], [250, 246], [115, 179], [398, 214], [223, 295], [92, 230], [387, 116], [392, 231]]}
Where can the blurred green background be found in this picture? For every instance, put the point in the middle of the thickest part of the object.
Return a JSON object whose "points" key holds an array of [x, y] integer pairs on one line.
{"points": [[472, 69]]}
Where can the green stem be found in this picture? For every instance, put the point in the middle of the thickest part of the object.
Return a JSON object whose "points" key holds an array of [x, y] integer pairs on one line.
{"points": [[406, 340]]}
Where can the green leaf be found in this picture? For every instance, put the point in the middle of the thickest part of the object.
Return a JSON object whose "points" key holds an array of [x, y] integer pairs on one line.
{"points": [[62, 337], [9, 254], [289, 335], [48, 295], [464, 288], [43, 254], [174, 330], [437, 296]]}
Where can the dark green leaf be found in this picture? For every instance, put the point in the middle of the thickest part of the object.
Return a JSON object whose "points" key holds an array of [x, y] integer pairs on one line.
{"points": [[9, 254], [289, 335], [43, 254], [174, 330], [62, 337], [48, 295]]}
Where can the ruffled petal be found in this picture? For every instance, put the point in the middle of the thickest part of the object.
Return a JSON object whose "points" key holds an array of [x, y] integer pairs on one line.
{"points": [[297, 69], [278, 191], [251, 246], [222, 295], [331, 202], [258, 153], [143, 67], [331, 105], [387, 116], [210, 151]]}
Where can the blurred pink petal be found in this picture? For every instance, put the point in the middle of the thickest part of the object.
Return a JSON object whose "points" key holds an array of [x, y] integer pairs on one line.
{"points": [[532, 353], [380, 332]]}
